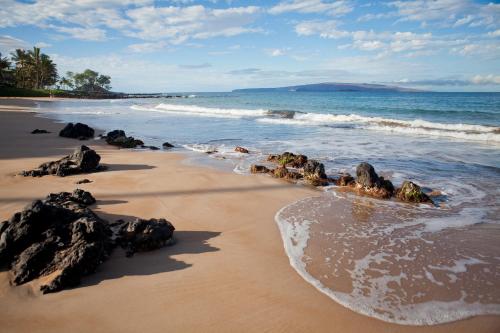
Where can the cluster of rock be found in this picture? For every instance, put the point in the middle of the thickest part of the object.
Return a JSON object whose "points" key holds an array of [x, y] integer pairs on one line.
{"points": [[367, 182], [294, 167], [61, 239], [58, 236], [77, 131], [120, 139], [82, 160]]}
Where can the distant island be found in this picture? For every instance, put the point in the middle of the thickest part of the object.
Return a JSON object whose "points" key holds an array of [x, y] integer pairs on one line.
{"points": [[332, 86]]}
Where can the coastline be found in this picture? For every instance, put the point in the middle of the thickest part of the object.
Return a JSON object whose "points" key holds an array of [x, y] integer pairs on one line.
{"points": [[227, 272]]}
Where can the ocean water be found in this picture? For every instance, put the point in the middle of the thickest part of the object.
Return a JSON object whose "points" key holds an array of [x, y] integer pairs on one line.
{"points": [[410, 264]]}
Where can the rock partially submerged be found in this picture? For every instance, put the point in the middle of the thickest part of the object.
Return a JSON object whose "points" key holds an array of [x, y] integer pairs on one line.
{"points": [[288, 159], [146, 235], [241, 150], [259, 169], [314, 173], [167, 145], [77, 131], [82, 160], [39, 131], [59, 238], [411, 192], [369, 183]]}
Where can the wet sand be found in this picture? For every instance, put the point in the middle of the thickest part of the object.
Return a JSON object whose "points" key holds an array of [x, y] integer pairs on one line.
{"points": [[228, 271]]}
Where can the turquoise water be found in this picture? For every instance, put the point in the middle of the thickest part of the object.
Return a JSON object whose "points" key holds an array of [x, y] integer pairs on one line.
{"points": [[446, 142]]}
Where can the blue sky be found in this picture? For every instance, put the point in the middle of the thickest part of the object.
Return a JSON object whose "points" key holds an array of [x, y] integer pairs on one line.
{"points": [[219, 45]]}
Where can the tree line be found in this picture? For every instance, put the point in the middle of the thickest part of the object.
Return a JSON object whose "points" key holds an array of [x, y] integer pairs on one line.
{"points": [[32, 69]]}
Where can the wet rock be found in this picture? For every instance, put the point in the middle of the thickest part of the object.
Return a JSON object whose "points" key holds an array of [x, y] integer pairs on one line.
{"points": [[369, 183], [258, 169], [150, 147], [411, 192], [280, 172], [288, 159], [83, 181], [146, 235], [39, 131], [167, 145], [345, 180], [58, 238], [241, 150], [77, 131], [82, 160], [366, 175], [120, 139], [314, 172]]}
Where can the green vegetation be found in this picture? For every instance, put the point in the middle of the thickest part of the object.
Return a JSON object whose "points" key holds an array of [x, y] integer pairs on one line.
{"points": [[33, 74]]}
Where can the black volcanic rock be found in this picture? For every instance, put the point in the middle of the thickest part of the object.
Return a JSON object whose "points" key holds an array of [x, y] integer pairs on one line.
{"points": [[39, 131], [82, 160], [120, 139], [58, 238], [77, 131], [167, 145], [146, 235]]}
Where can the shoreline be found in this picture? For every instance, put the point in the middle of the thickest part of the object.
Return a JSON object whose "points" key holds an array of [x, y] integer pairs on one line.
{"points": [[227, 272]]}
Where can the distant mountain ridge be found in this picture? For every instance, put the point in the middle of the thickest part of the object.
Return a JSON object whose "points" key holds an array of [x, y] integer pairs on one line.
{"points": [[332, 86]]}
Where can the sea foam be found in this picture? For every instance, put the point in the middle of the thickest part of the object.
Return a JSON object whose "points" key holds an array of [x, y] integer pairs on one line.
{"points": [[391, 275]]}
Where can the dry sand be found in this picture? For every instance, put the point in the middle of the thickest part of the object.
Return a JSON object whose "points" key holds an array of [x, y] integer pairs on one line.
{"points": [[228, 271]]}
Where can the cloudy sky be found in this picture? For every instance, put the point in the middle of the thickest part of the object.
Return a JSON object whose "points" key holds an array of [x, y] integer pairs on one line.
{"points": [[219, 45]]}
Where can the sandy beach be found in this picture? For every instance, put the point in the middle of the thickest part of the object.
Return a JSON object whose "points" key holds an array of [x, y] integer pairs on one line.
{"points": [[227, 272]]}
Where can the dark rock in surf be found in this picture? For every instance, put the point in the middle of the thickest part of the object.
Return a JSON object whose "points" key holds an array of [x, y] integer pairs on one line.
{"points": [[344, 180], [167, 145], [241, 150], [82, 160], [366, 175], [411, 192], [258, 169], [314, 172], [288, 159], [39, 131], [368, 182], [77, 131]]}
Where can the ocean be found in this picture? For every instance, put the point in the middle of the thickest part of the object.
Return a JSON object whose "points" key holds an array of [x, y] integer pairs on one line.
{"points": [[403, 263]]}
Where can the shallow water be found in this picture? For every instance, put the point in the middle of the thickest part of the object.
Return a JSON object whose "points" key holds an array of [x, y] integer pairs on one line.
{"points": [[403, 263]]}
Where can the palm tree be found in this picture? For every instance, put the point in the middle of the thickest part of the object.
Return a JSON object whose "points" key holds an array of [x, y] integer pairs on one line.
{"points": [[36, 64], [4, 67], [47, 72], [21, 59]]}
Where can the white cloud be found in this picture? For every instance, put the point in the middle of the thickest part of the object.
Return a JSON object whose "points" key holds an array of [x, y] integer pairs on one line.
{"points": [[486, 79], [453, 13], [90, 34], [276, 52], [179, 24], [495, 33], [43, 45], [91, 19], [9, 43], [325, 29], [335, 8], [147, 47]]}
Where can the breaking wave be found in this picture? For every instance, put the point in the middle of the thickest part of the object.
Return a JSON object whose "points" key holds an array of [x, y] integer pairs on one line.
{"points": [[292, 117]]}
